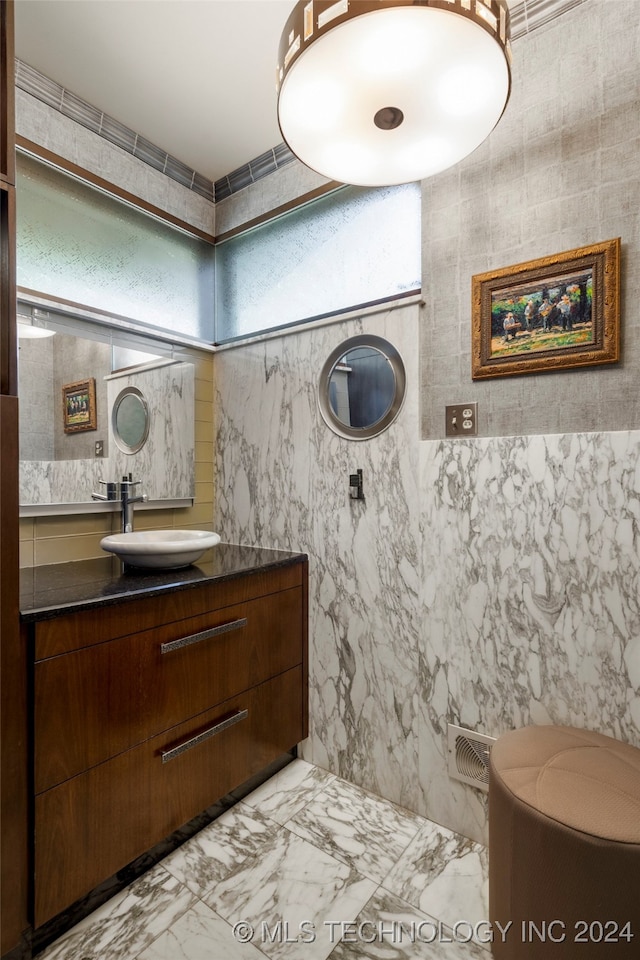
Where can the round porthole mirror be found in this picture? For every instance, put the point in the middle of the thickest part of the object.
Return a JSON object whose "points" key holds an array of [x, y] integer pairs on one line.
{"points": [[130, 420], [362, 387]]}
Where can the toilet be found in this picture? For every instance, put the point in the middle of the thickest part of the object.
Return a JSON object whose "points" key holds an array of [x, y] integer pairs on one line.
{"points": [[564, 845]]}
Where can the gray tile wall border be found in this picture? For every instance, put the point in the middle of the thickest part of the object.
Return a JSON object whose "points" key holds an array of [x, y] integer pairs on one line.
{"points": [[525, 17], [531, 14], [64, 101]]}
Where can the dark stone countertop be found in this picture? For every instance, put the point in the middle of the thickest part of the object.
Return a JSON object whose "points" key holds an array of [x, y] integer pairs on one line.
{"points": [[51, 590]]}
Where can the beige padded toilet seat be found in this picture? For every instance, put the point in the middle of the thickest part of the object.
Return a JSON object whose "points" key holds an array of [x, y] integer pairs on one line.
{"points": [[564, 845]]}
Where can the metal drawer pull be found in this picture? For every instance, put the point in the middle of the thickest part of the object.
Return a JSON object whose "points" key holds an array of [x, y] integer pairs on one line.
{"points": [[203, 635], [205, 735]]}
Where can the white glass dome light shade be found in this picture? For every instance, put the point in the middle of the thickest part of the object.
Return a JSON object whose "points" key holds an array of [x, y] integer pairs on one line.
{"points": [[26, 331], [394, 94]]}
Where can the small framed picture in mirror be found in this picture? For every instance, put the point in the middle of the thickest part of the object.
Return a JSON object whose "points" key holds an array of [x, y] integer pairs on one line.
{"points": [[79, 406]]}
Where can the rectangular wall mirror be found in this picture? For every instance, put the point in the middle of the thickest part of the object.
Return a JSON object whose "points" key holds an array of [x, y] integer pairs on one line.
{"points": [[71, 372]]}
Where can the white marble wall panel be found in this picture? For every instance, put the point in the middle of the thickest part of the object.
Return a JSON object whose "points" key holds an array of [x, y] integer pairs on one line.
{"points": [[531, 578], [59, 481], [283, 481], [165, 465], [502, 590], [525, 563]]}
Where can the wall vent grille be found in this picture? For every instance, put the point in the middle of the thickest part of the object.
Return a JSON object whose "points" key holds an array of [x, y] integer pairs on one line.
{"points": [[469, 756]]}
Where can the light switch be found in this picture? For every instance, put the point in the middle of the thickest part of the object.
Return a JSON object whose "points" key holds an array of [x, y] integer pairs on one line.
{"points": [[461, 420]]}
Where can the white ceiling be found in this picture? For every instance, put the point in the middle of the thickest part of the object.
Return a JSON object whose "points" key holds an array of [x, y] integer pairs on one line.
{"points": [[195, 77]]}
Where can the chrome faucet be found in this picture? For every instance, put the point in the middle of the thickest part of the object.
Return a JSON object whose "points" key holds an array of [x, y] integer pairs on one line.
{"points": [[128, 502], [122, 491]]}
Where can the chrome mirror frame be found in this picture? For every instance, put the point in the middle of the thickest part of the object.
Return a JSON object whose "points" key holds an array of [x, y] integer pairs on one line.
{"points": [[394, 359], [120, 443]]}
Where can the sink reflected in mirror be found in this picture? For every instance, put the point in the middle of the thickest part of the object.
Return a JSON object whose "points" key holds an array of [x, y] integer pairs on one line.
{"points": [[160, 549]]}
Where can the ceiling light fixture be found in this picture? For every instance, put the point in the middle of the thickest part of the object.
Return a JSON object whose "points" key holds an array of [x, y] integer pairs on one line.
{"points": [[391, 91], [28, 330]]}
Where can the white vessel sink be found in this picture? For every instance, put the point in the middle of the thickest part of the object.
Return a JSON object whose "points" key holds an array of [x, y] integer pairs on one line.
{"points": [[162, 549]]}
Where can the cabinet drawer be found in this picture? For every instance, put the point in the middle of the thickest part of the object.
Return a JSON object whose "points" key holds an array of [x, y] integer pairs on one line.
{"points": [[99, 701], [84, 628], [91, 826]]}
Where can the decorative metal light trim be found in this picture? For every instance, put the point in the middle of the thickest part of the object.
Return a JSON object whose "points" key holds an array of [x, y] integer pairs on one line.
{"points": [[492, 15]]}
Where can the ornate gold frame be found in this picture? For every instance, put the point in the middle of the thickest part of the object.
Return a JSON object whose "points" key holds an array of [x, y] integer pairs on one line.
{"points": [[84, 418], [494, 355]]}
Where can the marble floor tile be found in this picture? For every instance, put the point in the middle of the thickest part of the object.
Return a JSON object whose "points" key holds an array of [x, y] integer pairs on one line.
{"points": [[121, 928], [306, 867], [286, 793], [224, 844], [443, 874], [200, 934], [288, 894], [362, 830], [388, 928]]}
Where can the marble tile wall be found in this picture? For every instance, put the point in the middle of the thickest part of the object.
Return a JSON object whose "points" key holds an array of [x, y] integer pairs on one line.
{"points": [[493, 582], [283, 481], [531, 587], [165, 464], [489, 583]]}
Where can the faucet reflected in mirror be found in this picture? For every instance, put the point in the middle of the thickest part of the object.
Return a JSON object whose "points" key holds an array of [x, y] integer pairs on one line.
{"points": [[166, 458], [122, 491], [155, 382]]}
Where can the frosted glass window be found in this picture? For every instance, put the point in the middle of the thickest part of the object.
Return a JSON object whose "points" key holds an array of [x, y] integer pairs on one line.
{"points": [[76, 243], [354, 247]]}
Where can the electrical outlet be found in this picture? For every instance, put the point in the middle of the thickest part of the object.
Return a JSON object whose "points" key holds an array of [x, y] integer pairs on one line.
{"points": [[99, 448], [461, 420]]}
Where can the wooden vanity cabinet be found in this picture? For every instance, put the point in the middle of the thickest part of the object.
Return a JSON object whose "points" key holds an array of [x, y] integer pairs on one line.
{"points": [[147, 712]]}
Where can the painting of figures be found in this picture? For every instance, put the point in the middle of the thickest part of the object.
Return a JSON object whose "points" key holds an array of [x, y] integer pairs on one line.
{"points": [[550, 314]]}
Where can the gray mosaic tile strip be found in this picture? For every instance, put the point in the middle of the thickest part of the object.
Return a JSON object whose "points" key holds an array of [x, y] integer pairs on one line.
{"points": [[202, 186], [531, 14], [38, 85], [52, 93], [148, 152], [117, 133], [222, 189], [255, 170], [80, 111], [282, 154], [74, 107]]}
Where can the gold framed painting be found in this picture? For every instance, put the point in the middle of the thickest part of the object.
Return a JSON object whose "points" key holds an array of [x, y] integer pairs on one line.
{"points": [[555, 313], [79, 406]]}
